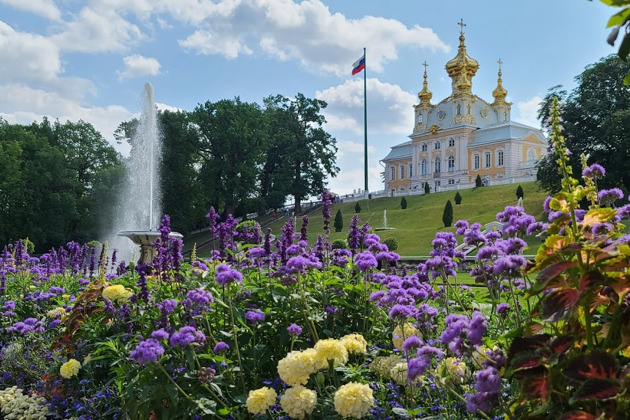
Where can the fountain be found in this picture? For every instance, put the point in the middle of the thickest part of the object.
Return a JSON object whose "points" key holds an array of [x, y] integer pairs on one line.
{"points": [[140, 202], [384, 223]]}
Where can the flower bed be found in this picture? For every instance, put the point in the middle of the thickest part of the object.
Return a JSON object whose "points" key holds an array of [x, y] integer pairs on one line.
{"points": [[289, 330]]}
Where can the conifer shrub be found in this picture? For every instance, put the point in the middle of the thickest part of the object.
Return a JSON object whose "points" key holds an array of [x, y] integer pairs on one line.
{"points": [[478, 182], [447, 215], [357, 207], [427, 189], [458, 198], [403, 203], [338, 224], [392, 244], [519, 192]]}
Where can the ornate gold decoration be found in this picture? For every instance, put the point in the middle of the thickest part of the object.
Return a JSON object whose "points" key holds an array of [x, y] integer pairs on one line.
{"points": [[499, 93], [434, 128], [441, 114], [461, 69], [425, 94], [484, 112]]}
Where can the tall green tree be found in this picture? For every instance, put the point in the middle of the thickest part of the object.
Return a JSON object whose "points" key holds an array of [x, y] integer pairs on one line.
{"points": [[338, 223], [301, 154], [447, 214], [596, 116], [231, 136]]}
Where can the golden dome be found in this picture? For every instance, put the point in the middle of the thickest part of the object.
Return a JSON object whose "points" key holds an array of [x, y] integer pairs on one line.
{"points": [[462, 68], [425, 94], [499, 93]]}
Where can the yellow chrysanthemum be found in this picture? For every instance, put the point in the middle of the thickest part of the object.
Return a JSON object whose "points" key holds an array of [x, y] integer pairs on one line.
{"points": [[330, 349], [354, 343], [298, 401], [401, 334], [354, 400], [259, 400], [297, 366], [116, 292], [453, 368], [399, 373], [70, 368], [382, 366], [54, 313]]}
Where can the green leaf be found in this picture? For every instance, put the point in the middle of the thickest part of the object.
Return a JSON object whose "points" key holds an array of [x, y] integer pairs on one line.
{"points": [[619, 18], [206, 405], [626, 80], [400, 411]]}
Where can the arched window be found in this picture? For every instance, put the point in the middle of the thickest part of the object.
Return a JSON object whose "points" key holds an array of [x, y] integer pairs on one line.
{"points": [[531, 154], [476, 161], [451, 142], [424, 147], [402, 171], [437, 145], [437, 164], [500, 158], [410, 170], [423, 167], [459, 109], [451, 163], [420, 119], [393, 170], [488, 159]]}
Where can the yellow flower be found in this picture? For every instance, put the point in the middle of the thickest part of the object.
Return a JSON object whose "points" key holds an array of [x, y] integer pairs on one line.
{"points": [[70, 368], [453, 368], [65, 296], [53, 313], [297, 366], [259, 400], [330, 349], [354, 343], [401, 334], [383, 366], [354, 400], [298, 401], [399, 373], [116, 292]]}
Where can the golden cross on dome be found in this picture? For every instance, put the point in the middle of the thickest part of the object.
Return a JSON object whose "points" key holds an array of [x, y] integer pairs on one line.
{"points": [[425, 64], [461, 24], [500, 62]]}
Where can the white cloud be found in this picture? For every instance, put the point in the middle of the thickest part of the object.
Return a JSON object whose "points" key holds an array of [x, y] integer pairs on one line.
{"points": [[44, 8], [164, 107], [27, 57], [352, 148], [139, 66], [28, 105], [388, 107], [98, 30], [306, 31], [528, 111]]}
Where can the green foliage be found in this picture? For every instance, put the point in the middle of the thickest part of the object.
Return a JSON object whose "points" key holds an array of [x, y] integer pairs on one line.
{"points": [[338, 223], [619, 21], [458, 198], [95, 245], [392, 244], [427, 189], [403, 203], [339, 244], [447, 214], [519, 192], [478, 182], [596, 116], [357, 208]]}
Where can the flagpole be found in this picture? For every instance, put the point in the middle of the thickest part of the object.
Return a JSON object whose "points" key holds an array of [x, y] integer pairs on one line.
{"points": [[365, 144]]}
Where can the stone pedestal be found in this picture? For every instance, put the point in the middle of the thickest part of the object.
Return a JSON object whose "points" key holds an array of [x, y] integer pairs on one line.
{"points": [[145, 239]]}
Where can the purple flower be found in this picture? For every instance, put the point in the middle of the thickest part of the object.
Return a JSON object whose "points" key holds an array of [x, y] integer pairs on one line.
{"points": [[400, 312], [8, 305], [226, 275], [167, 306], [254, 316], [417, 366], [221, 347], [160, 334], [294, 330], [185, 336], [365, 260], [200, 298], [147, 351], [488, 380], [478, 327], [503, 307], [594, 171], [412, 342], [331, 310], [608, 197], [302, 263]]}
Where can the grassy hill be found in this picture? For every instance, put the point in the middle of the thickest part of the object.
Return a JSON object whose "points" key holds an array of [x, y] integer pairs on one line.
{"points": [[415, 227]]}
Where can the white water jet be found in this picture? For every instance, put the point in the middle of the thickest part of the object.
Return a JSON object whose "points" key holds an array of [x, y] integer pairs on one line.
{"points": [[139, 203], [384, 227]]}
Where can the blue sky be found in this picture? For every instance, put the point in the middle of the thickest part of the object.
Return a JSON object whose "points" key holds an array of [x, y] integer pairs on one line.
{"points": [[72, 59]]}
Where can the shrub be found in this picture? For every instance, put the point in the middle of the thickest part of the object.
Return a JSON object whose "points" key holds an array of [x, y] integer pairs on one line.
{"points": [[403, 203], [447, 215], [392, 244], [427, 189], [478, 182], [245, 230], [357, 208], [519, 192], [94, 244], [338, 221], [339, 244], [458, 198]]}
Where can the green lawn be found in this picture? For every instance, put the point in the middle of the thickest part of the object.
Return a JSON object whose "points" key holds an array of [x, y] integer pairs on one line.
{"points": [[415, 227]]}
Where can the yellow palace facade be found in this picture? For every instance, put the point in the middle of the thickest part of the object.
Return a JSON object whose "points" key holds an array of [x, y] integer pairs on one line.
{"points": [[461, 137]]}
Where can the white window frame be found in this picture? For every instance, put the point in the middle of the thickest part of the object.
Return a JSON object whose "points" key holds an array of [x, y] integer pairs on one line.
{"points": [[476, 161]]}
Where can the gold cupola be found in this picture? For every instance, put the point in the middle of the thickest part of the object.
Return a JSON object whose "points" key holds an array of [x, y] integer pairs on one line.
{"points": [[499, 93], [425, 94], [461, 69]]}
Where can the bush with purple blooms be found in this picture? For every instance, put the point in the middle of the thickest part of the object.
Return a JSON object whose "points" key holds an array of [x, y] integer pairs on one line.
{"points": [[285, 328]]}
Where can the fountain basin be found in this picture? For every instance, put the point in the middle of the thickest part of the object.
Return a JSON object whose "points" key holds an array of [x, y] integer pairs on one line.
{"points": [[146, 238]]}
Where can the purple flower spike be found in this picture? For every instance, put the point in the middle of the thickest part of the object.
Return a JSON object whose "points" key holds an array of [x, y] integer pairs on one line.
{"points": [[221, 347], [254, 316], [294, 330], [147, 351]]}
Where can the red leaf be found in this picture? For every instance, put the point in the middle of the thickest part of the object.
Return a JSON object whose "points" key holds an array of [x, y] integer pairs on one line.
{"points": [[554, 270], [536, 387], [597, 389], [525, 361], [591, 279], [577, 415], [527, 344], [562, 344], [559, 303], [594, 365]]}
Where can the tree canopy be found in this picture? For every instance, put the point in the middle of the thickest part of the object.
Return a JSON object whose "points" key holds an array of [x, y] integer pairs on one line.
{"points": [[596, 123]]}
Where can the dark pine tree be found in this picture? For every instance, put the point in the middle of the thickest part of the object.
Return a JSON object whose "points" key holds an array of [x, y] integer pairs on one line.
{"points": [[519, 192], [478, 182], [357, 208], [447, 216], [338, 221], [403, 203], [458, 198]]}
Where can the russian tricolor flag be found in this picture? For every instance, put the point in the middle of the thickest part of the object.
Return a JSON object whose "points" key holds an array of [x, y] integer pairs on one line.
{"points": [[358, 65]]}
